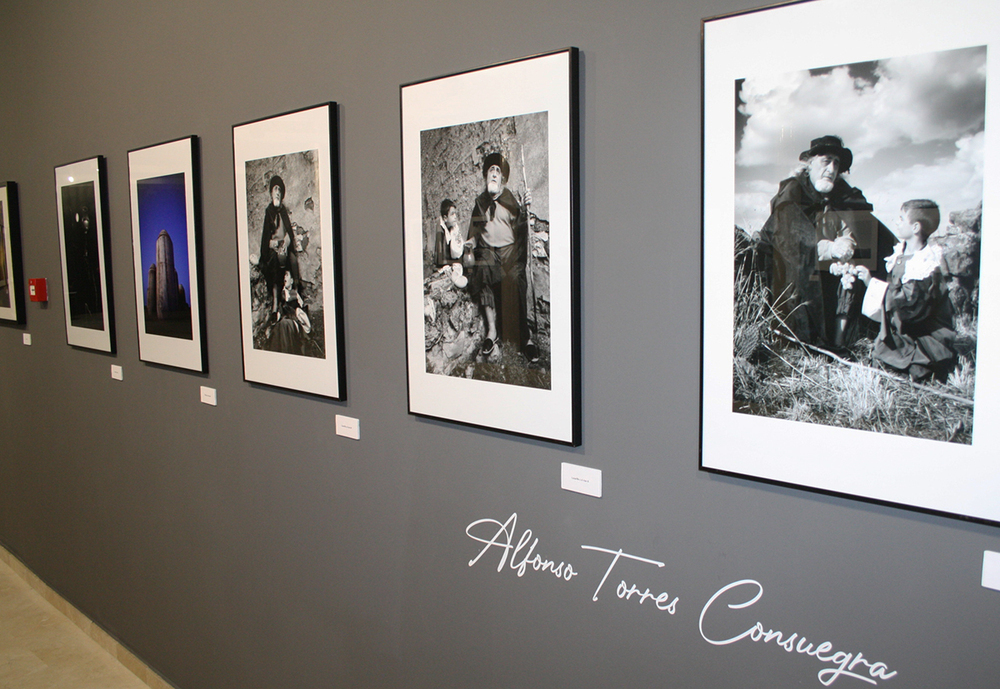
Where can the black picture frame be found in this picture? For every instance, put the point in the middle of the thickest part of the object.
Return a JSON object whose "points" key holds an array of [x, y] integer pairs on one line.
{"points": [[492, 319], [790, 393], [164, 187], [85, 248], [11, 267], [293, 336]]}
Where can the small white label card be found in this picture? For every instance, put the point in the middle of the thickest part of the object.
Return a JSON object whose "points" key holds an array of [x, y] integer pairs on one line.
{"points": [[348, 427], [991, 570], [209, 396], [582, 479]]}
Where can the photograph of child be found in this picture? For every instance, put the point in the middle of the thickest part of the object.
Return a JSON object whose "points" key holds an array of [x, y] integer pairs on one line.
{"points": [[917, 325]]}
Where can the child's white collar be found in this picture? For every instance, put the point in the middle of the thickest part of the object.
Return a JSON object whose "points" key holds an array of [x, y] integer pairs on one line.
{"points": [[921, 264]]}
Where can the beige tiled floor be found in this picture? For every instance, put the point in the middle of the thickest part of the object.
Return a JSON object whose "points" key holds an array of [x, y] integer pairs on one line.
{"points": [[41, 649]]}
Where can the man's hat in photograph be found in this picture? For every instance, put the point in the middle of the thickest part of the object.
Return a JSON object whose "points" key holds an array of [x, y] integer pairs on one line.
{"points": [[829, 145], [498, 160], [276, 181]]}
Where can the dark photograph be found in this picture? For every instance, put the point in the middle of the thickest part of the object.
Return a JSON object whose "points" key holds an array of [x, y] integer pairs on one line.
{"points": [[5, 287], [858, 206], [163, 234], [286, 276], [485, 210], [83, 265], [12, 307]]}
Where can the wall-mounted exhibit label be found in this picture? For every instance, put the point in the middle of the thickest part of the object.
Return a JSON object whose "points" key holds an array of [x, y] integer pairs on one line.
{"points": [[991, 570], [724, 618], [209, 396], [349, 427], [581, 479]]}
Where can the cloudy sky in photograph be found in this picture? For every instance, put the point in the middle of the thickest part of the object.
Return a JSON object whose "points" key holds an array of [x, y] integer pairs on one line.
{"points": [[913, 123]]}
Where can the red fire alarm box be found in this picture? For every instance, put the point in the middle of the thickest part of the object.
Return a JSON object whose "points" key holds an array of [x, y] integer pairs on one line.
{"points": [[38, 289]]}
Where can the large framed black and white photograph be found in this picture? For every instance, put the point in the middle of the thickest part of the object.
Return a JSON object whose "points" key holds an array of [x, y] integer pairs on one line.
{"points": [[850, 313], [11, 268], [490, 178], [287, 230], [163, 182], [85, 247]]}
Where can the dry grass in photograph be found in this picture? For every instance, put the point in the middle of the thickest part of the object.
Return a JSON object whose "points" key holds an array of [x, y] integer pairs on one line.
{"points": [[776, 375], [510, 367]]}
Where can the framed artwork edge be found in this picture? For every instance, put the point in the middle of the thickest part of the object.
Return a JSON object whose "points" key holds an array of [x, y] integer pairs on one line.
{"points": [[571, 50], [933, 476], [106, 341], [572, 436], [334, 359], [154, 348], [13, 252], [864, 499]]}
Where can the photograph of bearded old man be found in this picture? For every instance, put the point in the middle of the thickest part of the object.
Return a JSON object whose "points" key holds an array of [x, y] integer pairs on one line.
{"points": [[825, 160], [485, 202]]}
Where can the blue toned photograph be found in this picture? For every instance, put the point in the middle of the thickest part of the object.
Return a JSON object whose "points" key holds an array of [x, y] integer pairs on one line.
{"points": [[163, 232]]}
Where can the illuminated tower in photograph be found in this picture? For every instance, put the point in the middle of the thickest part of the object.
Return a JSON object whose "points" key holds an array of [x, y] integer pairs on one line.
{"points": [[163, 293]]}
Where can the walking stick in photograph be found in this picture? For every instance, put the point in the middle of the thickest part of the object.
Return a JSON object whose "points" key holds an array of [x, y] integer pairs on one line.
{"points": [[529, 264]]}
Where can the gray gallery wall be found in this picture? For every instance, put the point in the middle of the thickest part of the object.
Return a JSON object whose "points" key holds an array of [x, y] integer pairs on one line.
{"points": [[247, 545]]}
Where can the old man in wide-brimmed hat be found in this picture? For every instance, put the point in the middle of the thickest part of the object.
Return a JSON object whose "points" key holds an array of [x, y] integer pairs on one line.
{"points": [[817, 219], [498, 230]]}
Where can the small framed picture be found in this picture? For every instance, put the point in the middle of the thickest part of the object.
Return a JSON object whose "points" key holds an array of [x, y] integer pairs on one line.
{"points": [[287, 231], [850, 316], [490, 201], [164, 186], [85, 245], [11, 269]]}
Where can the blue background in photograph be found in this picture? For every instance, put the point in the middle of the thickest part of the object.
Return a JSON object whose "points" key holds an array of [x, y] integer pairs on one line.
{"points": [[162, 207]]}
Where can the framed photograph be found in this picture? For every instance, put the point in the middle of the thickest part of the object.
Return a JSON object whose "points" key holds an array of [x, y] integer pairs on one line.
{"points": [[490, 205], [287, 231], [850, 320], [164, 187], [11, 270], [85, 245]]}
